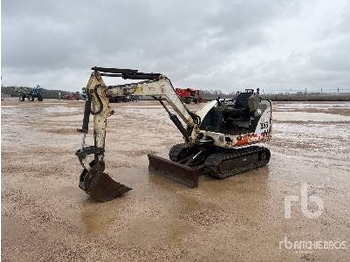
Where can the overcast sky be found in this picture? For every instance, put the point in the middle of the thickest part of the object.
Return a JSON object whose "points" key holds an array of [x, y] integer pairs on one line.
{"points": [[226, 45]]}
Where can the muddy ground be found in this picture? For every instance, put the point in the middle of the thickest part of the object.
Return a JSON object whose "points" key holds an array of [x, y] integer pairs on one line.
{"points": [[46, 217]]}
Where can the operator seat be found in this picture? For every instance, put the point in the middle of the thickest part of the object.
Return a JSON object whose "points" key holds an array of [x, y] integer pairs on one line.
{"points": [[239, 114]]}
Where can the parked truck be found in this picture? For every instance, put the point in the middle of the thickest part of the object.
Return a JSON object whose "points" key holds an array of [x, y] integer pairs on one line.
{"points": [[188, 95], [73, 96]]}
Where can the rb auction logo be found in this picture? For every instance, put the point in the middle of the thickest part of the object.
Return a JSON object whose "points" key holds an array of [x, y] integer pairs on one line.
{"points": [[304, 199]]}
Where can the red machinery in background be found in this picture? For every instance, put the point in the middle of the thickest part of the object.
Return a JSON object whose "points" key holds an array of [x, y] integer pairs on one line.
{"points": [[188, 95], [72, 96]]}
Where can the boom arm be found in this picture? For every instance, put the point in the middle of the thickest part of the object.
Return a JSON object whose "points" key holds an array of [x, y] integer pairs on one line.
{"points": [[158, 89], [156, 85]]}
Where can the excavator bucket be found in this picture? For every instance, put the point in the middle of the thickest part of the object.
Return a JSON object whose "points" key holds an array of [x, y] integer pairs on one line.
{"points": [[100, 186], [174, 171]]}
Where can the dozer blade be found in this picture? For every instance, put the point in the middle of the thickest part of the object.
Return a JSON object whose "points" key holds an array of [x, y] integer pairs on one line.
{"points": [[99, 185], [174, 171]]}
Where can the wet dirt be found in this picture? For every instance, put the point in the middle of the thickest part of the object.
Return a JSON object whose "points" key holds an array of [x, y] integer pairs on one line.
{"points": [[46, 217]]}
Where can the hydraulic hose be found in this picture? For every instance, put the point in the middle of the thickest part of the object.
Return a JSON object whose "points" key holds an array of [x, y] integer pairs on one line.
{"points": [[87, 110]]}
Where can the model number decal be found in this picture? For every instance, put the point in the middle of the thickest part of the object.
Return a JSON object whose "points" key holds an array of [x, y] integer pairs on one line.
{"points": [[264, 125]]}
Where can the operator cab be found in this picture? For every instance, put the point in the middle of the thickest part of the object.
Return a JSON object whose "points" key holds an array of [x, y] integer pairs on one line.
{"points": [[234, 116]]}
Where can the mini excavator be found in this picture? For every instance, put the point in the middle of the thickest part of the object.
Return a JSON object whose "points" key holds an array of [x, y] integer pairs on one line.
{"points": [[218, 138]]}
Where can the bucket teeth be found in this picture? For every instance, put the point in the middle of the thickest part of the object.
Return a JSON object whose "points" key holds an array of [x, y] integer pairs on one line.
{"points": [[99, 185]]}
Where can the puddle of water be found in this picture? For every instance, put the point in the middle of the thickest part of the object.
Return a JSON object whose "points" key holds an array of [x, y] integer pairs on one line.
{"points": [[314, 117], [50, 103], [150, 106], [8, 106], [60, 109]]}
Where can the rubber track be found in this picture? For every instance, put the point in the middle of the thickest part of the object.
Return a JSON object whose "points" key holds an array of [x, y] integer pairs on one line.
{"points": [[213, 161], [176, 151]]}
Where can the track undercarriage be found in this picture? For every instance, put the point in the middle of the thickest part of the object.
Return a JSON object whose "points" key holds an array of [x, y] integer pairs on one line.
{"points": [[193, 161]]}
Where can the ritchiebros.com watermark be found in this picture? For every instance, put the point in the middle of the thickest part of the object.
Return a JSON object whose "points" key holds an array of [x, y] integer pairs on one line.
{"points": [[304, 199], [302, 245]]}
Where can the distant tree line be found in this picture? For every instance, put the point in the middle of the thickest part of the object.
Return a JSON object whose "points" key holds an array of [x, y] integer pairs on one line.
{"points": [[284, 96], [13, 91], [213, 94]]}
